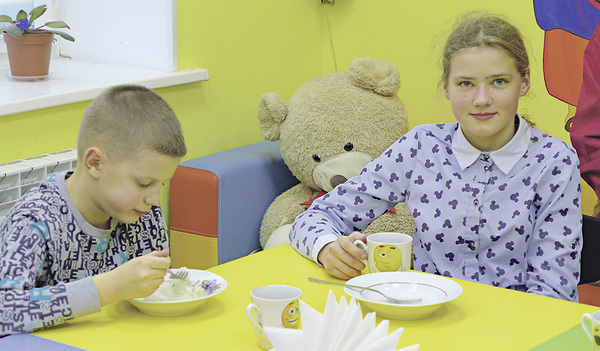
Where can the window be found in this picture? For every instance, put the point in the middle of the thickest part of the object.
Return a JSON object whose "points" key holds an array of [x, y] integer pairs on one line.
{"points": [[116, 42], [128, 33]]}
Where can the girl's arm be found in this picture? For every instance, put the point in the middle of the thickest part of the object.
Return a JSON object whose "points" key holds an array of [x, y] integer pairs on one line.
{"points": [[554, 252], [352, 206]]}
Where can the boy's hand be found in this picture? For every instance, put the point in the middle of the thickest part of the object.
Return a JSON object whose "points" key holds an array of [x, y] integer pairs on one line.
{"points": [[139, 277], [341, 258]]}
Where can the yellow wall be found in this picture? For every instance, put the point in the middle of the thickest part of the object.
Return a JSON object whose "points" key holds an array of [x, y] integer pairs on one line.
{"points": [[258, 46]]}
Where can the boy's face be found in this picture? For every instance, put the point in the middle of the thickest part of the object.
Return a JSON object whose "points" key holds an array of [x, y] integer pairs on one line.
{"points": [[128, 188]]}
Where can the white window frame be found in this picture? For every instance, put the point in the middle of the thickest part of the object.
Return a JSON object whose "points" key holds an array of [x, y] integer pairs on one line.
{"points": [[82, 69]]}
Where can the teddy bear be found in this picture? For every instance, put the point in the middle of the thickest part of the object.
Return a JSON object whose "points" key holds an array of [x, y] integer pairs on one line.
{"points": [[330, 129]]}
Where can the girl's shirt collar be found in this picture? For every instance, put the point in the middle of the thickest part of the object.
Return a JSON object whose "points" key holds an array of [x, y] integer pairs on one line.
{"points": [[504, 158]]}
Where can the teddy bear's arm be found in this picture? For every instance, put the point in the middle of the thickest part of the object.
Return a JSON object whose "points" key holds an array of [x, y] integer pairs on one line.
{"points": [[284, 210]]}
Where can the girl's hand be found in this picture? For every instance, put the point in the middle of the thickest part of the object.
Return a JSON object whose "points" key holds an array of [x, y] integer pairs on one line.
{"points": [[139, 277], [341, 258]]}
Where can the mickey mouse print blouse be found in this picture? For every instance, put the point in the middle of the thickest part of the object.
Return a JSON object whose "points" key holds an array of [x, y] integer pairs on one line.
{"points": [[509, 218]]}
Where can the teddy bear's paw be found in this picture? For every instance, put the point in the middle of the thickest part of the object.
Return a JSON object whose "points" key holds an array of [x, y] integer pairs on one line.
{"points": [[281, 236]]}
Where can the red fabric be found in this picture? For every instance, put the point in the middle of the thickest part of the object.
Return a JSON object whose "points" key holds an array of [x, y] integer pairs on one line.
{"points": [[585, 131], [309, 202]]}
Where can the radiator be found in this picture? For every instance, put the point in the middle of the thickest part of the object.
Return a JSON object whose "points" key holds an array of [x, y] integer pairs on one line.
{"points": [[17, 177]]}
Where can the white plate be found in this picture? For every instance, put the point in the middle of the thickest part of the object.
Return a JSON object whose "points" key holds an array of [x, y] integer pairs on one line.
{"points": [[435, 291], [177, 308]]}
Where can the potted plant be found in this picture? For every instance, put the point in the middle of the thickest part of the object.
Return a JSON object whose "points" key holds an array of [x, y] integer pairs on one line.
{"points": [[29, 47]]}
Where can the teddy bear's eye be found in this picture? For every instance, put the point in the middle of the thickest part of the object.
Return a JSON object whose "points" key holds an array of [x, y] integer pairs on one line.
{"points": [[349, 146], [316, 158]]}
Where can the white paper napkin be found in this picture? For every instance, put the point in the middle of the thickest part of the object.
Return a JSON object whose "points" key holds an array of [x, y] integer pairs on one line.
{"points": [[341, 327]]}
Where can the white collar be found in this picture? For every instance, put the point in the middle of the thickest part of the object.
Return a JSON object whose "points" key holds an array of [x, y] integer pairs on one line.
{"points": [[504, 158]]}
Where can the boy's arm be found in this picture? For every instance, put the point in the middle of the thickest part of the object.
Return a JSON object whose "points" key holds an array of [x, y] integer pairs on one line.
{"points": [[142, 275], [23, 248], [139, 277]]}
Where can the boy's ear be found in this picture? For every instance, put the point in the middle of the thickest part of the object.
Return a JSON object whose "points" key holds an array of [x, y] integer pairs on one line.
{"points": [[93, 161]]}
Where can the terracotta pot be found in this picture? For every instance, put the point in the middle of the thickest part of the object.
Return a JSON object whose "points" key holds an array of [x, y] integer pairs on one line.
{"points": [[29, 56]]}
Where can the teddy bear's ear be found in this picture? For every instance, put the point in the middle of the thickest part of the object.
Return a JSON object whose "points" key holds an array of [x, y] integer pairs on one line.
{"points": [[380, 76], [272, 111]]}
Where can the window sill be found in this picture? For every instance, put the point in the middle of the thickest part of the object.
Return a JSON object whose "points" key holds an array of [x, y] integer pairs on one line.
{"points": [[73, 81]]}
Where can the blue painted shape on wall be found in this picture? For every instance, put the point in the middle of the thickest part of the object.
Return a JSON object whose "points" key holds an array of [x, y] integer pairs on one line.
{"points": [[578, 17]]}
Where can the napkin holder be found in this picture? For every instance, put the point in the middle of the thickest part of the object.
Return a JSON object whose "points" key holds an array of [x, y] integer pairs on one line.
{"points": [[341, 327]]}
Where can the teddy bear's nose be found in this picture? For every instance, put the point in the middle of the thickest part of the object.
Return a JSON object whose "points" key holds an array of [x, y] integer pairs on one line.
{"points": [[337, 179]]}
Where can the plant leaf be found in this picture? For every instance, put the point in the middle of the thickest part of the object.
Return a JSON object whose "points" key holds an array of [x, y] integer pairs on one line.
{"points": [[5, 18], [37, 12], [22, 14], [62, 34], [14, 31], [57, 24]]}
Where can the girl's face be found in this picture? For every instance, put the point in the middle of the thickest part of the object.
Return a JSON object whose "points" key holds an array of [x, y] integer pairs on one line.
{"points": [[484, 86]]}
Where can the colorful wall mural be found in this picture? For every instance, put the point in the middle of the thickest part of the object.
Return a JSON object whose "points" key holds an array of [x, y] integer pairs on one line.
{"points": [[568, 26]]}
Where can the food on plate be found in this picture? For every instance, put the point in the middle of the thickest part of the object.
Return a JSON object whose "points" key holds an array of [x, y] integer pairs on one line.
{"points": [[174, 289]]}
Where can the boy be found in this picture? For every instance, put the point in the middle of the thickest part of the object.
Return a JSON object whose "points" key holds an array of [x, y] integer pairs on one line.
{"points": [[86, 238]]}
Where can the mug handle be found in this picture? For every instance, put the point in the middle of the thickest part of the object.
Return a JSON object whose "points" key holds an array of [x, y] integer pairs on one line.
{"points": [[584, 325], [362, 246], [252, 307]]}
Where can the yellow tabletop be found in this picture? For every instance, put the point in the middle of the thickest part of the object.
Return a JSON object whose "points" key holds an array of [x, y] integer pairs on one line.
{"points": [[482, 318]]}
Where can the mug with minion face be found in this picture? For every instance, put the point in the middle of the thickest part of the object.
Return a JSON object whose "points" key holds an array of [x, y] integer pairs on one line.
{"points": [[274, 306], [387, 252], [593, 331]]}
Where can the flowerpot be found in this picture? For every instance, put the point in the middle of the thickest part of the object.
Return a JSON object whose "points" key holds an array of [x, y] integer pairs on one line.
{"points": [[29, 56]]}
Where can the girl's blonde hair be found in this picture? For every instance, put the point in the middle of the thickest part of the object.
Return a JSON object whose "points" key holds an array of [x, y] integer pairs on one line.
{"points": [[478, 29], [481, 29]]}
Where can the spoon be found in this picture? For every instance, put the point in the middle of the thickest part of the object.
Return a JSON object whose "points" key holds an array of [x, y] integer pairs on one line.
{"points": [[389, 298]]}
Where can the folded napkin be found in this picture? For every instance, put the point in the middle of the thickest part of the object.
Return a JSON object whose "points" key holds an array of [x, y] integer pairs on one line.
{"points": [[341, 327]]}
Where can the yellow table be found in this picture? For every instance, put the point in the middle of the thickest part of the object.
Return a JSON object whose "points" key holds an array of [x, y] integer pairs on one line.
{"points": [[482, 318]]}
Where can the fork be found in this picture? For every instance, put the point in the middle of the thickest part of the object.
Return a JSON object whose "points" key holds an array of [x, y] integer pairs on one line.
{"points": [[389, 298], [178, 275]]}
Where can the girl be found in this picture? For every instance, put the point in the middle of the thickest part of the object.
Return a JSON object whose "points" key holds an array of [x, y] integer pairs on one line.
{"points": [[494, 199]]}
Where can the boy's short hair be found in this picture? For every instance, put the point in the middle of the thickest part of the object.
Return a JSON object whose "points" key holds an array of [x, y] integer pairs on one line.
{"points": [[124, 119]]}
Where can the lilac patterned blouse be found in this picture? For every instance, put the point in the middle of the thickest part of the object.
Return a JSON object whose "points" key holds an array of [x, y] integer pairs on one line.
{"points": [[48, 254], [509, 218]]}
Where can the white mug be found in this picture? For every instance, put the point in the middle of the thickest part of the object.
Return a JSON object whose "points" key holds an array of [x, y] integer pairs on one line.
{"points": [[387, 252], [594, 333], [274, 306]]}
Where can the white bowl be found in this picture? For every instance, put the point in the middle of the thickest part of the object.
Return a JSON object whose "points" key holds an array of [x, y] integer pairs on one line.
{"points": [[180, 307], [434, 290]]}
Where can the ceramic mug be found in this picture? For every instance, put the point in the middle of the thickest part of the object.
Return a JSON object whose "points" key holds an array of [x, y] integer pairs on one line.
{"points": [[387, 252], [594, 333], [274, 306]]}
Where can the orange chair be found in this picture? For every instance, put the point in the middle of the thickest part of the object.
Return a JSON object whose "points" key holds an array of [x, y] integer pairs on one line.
{"points": [[218, 202]]}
